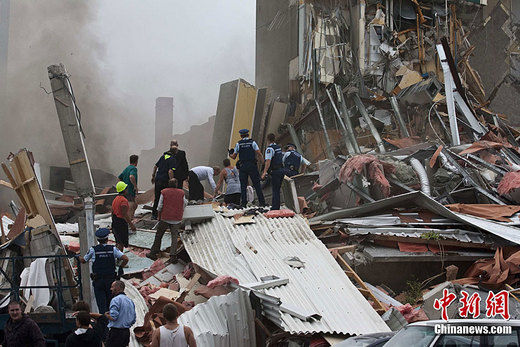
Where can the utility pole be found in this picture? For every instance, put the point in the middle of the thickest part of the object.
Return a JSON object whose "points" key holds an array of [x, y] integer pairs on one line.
{"points": [[70, 123]]}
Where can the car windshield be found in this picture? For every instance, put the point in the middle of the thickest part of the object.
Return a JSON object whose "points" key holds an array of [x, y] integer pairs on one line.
{"points": [[415, 335]]}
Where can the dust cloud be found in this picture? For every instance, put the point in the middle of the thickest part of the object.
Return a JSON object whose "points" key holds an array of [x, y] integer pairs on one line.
{"points": [[49, 32]]}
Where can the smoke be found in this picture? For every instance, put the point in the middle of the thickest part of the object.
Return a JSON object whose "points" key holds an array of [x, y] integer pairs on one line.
{"points": [[44, 33], [121, 56]]}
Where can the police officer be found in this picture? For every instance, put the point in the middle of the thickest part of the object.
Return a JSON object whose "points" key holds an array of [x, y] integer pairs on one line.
{"points": [[104, 258], [274, 166], [247, 151], [293, 161]]}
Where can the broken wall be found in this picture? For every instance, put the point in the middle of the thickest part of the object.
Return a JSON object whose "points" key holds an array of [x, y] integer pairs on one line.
{"points": [[239, 103], [276, 44], [495, 57]]}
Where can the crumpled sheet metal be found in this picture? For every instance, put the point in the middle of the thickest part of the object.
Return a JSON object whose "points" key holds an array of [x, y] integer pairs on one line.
{"points": [[140, 309], [225, 320], [494, 273], [419, 199], [489, 211], [321, 286]]}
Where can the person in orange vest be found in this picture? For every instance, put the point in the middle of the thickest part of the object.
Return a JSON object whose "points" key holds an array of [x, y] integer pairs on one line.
{"points": [[171, 209], [121, 217]]}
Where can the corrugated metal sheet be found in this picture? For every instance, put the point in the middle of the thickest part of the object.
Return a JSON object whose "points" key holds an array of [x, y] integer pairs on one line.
{"points": [[225, 320], [140, 310], [321, 286]]}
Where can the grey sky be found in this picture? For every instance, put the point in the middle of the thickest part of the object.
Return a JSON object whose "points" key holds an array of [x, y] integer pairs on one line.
{"points": [[184, 49], [121, 55]]}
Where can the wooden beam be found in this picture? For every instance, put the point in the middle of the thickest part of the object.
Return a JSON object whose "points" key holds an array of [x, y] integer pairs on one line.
{"points": [[188, 288], [30, 303], [343, 249], [6, 184], [364, 289]]}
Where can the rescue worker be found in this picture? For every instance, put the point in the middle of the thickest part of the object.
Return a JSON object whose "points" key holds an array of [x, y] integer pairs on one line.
{"points": [[274, 166], [121, 217], [163, 171], [171, 209], [181, 164], [129, 176], [103, 257], [196, 176], [293, 162], [248, 151]]}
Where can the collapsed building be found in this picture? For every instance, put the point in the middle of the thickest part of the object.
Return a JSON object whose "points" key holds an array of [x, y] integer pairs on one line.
{"points": [[413, 187]]}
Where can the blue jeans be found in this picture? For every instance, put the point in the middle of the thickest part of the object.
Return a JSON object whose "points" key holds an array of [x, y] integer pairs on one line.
{"points": [[249, 169], [276, 184], [102, 292]]}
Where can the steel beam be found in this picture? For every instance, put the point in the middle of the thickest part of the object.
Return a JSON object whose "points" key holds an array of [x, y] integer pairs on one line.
{"points": [[363, 111]]}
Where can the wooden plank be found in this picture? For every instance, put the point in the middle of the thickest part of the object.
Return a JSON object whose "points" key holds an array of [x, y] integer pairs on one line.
{"points": [[31, 196], [30, 303], [364, 289], [35, 191], [511, 290], [10, 177], [6, 184], [343, 249], [189, 287], [25, 189], [167, 293]]}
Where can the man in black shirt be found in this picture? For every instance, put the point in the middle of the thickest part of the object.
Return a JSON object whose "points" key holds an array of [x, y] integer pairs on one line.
{"points": [[163, 171], [85, 335], [181, 164]]}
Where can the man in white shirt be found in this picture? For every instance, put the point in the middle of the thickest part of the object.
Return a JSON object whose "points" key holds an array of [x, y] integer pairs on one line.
{"points": [[198, 174]]}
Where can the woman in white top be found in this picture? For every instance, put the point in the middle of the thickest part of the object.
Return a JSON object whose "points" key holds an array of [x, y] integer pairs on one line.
{"points": [[172, 334]]}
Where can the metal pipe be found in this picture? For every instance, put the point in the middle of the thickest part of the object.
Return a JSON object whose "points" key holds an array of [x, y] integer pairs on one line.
{"points": [[346, 116], [421, 173], [361, 108], [294, 137], [350, 148], [450, 101], [400, 120], [330, 153], [447, 164]]}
